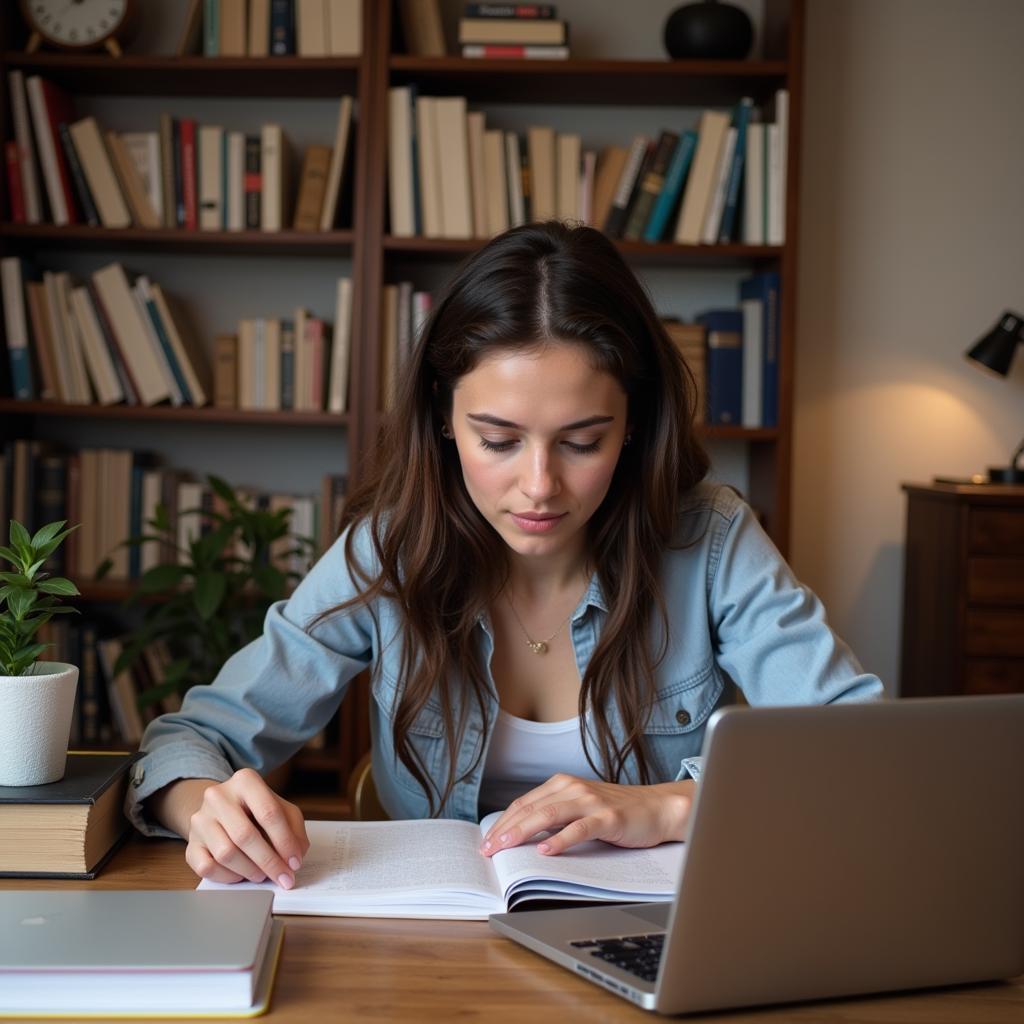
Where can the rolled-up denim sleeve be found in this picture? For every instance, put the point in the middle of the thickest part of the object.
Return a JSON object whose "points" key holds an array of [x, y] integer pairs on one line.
{"points": [[771, 633], [269, 698]]}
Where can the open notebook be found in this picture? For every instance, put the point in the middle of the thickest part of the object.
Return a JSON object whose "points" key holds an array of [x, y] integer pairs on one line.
{"points": [[433, 868]]}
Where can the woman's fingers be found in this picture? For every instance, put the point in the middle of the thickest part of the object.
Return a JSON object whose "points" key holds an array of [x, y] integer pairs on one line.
{"points": [[524, 805], [218, 843], [531, 819]]}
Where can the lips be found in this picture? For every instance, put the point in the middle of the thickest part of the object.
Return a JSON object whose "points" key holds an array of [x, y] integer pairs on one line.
{"points": [[538, 516], [537, 522]]}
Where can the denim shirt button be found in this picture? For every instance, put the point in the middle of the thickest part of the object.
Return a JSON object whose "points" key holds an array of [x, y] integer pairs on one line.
{"points": [[683, 717], [138, 775]]}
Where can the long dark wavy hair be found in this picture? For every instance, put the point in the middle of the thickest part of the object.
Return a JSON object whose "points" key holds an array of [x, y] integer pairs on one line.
{"points": [[439, 559]]}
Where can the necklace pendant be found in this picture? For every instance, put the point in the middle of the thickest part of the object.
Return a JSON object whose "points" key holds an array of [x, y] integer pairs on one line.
{"points": [[537, 646]]}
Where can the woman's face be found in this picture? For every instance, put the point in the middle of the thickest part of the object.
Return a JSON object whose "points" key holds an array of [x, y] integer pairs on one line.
{"points": [[539, 433]]}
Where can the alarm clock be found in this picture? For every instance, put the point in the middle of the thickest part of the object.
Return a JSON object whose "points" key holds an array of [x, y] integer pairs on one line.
{"points": [[79, 25]]}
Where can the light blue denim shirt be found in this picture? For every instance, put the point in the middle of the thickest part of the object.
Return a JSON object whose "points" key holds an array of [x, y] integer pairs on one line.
{"points": [[735, 609]]}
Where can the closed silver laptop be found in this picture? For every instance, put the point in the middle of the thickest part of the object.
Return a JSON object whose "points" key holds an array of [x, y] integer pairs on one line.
{"points": [[832, 851]]}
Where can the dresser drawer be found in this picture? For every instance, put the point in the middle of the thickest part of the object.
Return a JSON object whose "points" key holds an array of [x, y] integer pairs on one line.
{"points": [[996, 531], [995, 580], [994, 675], [995, 633]]}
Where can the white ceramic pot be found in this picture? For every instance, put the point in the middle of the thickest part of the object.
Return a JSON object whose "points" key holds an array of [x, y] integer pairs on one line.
{"points": [[35, 723]]}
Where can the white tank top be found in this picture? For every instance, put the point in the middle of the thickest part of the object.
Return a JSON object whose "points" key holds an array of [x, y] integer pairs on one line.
{"points": [[523, 754]]}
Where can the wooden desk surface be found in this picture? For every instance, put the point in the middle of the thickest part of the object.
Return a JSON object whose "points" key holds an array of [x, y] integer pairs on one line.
{"points": [[342, 969]]}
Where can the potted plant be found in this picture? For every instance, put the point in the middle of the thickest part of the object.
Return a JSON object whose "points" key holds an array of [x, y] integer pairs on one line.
{"points": [[212, 600], [37, 698]]}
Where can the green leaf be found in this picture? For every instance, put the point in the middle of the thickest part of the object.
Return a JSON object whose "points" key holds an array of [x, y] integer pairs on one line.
{"points": [[46, 533], [103, 568], [162, 577], [34, 568], [21, 601], [19, 536], [31, 652], [208, 593], [10, 556], [17, 579], [222, 489], [60, 586], [47, 549]]}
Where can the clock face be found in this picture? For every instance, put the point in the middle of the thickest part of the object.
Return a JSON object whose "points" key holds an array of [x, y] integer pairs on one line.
{"points": [[82, 23]]}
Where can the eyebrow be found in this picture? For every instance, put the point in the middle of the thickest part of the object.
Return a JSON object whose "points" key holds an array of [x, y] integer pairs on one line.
{"points": [[496, 421]]}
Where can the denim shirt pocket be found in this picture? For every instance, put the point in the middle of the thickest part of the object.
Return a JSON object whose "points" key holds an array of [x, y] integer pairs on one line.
{"points": [[675, 728], [426, 736]]}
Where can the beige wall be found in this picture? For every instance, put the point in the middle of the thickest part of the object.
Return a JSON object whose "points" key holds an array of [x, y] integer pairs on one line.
{"points": [[912, 242]]}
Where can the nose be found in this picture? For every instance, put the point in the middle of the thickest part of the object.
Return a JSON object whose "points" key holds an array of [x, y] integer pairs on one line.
{"points": [[539, 480]]}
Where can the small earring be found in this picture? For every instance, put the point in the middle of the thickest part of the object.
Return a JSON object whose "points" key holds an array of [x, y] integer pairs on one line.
{"points": [[626, 440], [446, 433]]}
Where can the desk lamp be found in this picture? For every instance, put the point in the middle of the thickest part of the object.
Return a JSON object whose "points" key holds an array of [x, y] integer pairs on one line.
{"points": [[994, 352]]}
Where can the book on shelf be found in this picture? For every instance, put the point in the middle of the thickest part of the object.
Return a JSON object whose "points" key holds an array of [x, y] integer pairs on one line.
{"points": [[80, 185], [26, 152], [513, 10], [761, 300], [731, 194], [710, 138], [691, 342], [540, 147], [513, 32], [15, 192], [13, 272], [422, 29], [50, 106], [724, 365], [134, 188], [312, 188], [777, 144], [67, 828], [649, 186], [363, 869], [509, 51]]}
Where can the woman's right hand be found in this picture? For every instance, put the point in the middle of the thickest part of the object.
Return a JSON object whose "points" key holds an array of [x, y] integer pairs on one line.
{"points": [[244, 830]]}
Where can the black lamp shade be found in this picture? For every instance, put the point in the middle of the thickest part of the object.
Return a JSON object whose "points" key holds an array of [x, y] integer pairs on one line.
{"points": [[995, 350]]}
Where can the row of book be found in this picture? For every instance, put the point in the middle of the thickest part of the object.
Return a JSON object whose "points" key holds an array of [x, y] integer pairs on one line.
{"points": [[114, 494], [287, 363], [273, 28], [118, 339], [67, 170], [450, 176], [109, 340], [404, 312]]}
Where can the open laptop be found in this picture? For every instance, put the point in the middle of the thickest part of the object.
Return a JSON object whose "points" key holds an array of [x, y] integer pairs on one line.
{"points": [[832, 851]]}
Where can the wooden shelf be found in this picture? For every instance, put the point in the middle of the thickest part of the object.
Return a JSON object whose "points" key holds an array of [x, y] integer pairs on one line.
{"points": [[290, 77], [105, 591], [229, 243], [604, 82], [186, 413], [662, 253], [711, 432]]}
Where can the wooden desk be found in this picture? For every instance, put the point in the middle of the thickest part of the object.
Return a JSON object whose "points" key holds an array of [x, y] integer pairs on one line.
{"points": [[342, 969]]}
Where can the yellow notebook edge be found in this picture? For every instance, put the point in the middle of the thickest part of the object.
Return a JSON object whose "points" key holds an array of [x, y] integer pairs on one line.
{"points": [[259, 1007]]}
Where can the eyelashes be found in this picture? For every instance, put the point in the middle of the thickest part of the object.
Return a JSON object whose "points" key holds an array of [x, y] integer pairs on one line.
{"points": [[504, 446]]}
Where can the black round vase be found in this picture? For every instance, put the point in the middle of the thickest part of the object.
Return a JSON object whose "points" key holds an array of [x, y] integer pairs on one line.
{"points": [[708, 31]]}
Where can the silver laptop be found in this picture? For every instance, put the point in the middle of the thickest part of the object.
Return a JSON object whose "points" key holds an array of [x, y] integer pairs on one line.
{"points": [[832, 851]]}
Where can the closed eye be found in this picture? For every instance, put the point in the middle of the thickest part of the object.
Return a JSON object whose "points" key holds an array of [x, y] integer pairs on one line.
{"points": [[504, 446]]}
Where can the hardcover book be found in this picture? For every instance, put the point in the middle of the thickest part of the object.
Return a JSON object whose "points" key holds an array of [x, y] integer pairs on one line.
{"points": [[67, 828]]}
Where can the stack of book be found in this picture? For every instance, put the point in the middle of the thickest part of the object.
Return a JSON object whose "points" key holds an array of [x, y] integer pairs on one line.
{"points": [[513, 30], [67, 828], [186, 175], [115, 493], [743, 356], [691, 341], [112, 339], [450, 176], [273, 28], [405, 311]]}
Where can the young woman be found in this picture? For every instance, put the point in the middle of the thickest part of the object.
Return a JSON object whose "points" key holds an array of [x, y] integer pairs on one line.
{"points": [[551, 598]]}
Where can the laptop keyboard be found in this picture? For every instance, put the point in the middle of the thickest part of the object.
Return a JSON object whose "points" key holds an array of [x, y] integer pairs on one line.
{"points": [[638, 954]]}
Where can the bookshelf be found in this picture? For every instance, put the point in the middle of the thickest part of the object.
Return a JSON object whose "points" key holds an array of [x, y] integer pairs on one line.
{"points": [[376, 258]]}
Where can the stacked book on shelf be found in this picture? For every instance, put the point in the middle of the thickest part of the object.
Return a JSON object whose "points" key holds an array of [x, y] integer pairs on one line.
{"points": [[114, 494], [287, 363], [516, 31], [67, 170], [123, 339], [111, 339], [450, 176], [742, 356], [404, 313], [273, 28]]}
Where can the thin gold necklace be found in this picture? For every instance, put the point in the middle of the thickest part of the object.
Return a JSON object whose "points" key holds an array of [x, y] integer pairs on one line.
{"points": [[537, 646]]}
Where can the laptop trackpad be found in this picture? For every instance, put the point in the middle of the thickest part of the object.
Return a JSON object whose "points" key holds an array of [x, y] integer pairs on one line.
{"points": [[653, 914]]}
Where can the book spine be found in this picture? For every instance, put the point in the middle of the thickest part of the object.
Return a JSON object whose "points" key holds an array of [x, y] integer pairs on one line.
{"points": [[650, 186], [15, 190], [616, 221], [725, 370], [504, 52], [178, 171], [253, 182], [135, 524], [188, 174], [528, 12], [770, 354], [287, 366], [211, 28], [128, 386], [51, 502], [727, 230], [85, 199], [16, 327], [225, 381], [282, 28], [675, 180], [168, 349]]}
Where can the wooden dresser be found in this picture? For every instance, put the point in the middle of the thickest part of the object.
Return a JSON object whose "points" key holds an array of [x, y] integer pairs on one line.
{"points": [[963, 592]]}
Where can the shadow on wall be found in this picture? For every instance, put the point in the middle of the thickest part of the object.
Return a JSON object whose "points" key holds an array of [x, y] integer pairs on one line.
{"points": [[874, 620]]}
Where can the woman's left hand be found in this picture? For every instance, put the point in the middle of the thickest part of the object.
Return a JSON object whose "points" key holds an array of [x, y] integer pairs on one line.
{"points": [[575, 810]]}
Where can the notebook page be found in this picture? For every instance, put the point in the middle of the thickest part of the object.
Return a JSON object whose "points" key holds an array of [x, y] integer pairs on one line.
{"points": [[393, 868]]}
